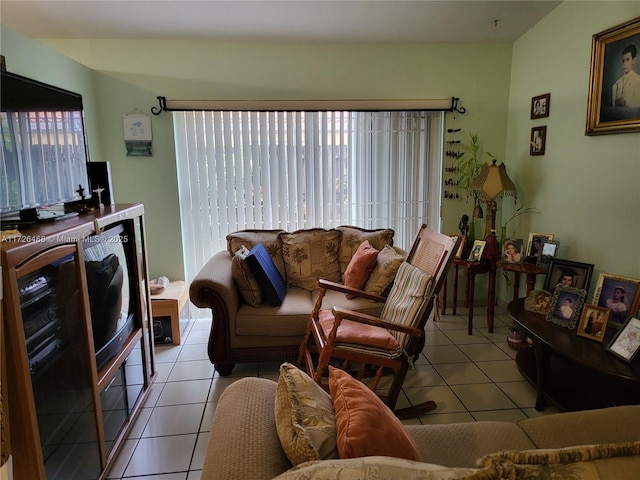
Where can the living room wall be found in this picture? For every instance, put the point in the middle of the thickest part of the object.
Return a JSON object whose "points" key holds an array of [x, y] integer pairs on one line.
{"points": [[586, 187], [130, 74]]}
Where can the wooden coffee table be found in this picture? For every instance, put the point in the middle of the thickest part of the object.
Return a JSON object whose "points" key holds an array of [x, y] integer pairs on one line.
{"points": [[573, 372]]}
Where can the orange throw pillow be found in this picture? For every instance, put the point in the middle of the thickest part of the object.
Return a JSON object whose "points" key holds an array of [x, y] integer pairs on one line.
{"points": [[365, 425], [360, 267]]}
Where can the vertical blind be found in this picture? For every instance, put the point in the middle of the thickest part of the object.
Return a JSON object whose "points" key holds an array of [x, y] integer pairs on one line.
{"points": [[295, 170]]}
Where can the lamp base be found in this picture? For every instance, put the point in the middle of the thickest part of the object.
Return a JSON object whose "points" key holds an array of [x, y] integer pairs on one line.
{"points": [[492, 247]]}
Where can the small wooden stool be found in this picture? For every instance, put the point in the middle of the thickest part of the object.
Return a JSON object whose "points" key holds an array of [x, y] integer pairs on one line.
{"points": [[170, 311]]}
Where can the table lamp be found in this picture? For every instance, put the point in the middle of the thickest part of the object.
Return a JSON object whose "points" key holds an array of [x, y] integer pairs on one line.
{"points": [[491, 183]]}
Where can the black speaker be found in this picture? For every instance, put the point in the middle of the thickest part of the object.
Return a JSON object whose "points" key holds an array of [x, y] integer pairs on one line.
{"points": [[100, 177]]}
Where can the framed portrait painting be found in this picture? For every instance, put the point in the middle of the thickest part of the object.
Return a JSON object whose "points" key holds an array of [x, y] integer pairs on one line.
{"points": [[537, 144], [568, 273], [566, 306], [627, 342], [619, 294], [593, 322], [614, 83], [540, 106]]}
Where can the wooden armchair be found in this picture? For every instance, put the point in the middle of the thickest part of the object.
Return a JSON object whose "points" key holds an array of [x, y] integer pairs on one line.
{"points": [[390, 342]]}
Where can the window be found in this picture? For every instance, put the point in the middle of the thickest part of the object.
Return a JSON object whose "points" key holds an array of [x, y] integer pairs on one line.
{"points": [[295, 170]]}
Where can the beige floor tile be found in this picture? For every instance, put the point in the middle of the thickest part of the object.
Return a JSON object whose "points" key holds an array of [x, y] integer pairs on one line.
{"points": [[461, 373], [444, 397], [445, 354], [174, 420], [501, 370], [190, 391], [482, 396], [158, 455], [483, 352]]}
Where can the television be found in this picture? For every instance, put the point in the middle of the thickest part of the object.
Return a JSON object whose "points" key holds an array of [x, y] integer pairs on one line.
{"points": [[44, 154], [108, 270]]}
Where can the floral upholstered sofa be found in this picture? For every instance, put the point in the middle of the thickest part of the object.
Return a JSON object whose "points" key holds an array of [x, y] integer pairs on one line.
{"points": [[263, 287]]}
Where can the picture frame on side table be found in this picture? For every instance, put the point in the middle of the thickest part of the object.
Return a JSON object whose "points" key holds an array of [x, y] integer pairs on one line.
{"points": [[626, 343], [512, 250], [540, 106], [619, 294], [549, 251], [593, 322], [476, 250], [537, 144], [566, 306], [609, 110], [535, 243], [568, 273]]}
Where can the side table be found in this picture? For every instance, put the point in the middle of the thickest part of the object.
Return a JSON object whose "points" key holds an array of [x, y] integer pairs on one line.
{"points": [[531, 270], [170, 310], [473, 269]]}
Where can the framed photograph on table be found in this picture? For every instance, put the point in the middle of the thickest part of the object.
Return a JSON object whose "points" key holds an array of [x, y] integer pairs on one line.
{"points": [[538, 140], [566, 306], [593, 322], [549, 250], [619, 294], [476, 250], [614, 104], [627, 342], [512, 250], [568, 274], [540, 106], [535, 243]]}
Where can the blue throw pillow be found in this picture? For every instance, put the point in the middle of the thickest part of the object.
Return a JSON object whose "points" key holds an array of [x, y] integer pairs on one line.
{"points": [[267, 275]]}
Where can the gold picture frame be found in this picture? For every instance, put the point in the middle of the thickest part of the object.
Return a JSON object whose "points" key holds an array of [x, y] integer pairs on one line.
{"points": [[608, 111], [619, 294], [593, 322]]}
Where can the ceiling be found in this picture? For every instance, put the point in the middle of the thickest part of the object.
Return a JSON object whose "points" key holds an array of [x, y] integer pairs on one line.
{"points": [[429, 21]]}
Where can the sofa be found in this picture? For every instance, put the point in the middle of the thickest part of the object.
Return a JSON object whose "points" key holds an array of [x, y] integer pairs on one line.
{"points": [[263, 287], [256, 418]]}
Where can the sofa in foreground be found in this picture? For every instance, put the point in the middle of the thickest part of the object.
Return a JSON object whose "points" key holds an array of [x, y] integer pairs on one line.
{"points": [[253, 318], [261, 428]]}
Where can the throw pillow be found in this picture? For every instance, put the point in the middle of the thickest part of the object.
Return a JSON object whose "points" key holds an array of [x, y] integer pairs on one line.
{"points": [[250, 238], [352, 237], [365, 425], [246, 282], [585, 462], [310, 255], [360, 267], [387, 264], [379, 467], [304, 417], [267, 275]]}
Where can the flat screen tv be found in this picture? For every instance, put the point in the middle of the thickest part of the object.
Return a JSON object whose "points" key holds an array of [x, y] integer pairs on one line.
{"points": [[44, 154]]}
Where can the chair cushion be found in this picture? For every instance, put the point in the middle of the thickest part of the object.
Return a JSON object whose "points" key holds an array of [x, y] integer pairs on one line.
{"points": [[352, 237], [408, 297], [387, 263], [305, 420], [360, 267], [365, 425], [267, 275], [310, 255], [244, 278], [357, 333]]}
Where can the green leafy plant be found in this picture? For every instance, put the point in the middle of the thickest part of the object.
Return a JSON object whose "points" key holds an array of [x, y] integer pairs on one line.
{"points": [[470, 161]]}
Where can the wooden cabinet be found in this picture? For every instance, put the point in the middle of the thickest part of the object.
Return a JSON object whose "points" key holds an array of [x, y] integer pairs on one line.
{"points": [[79, 341]]}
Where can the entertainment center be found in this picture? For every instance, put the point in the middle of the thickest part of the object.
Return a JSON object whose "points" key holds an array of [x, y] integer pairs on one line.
{"points": [[79, 341]]}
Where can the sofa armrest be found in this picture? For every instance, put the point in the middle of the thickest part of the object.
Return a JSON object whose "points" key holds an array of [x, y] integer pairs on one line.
{"points": [[214, 288], [244, 442]]}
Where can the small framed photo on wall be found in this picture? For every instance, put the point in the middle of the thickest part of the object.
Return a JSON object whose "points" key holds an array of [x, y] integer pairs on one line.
{"points": [[538, 140], [540, 106]]}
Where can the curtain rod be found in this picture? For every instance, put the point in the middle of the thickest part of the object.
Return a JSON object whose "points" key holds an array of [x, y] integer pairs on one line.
{"points": [[446, 104]]}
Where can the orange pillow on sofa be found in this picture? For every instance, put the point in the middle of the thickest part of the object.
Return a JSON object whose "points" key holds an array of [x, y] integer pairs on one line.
{"points": [[365, 425], [360, 267]]}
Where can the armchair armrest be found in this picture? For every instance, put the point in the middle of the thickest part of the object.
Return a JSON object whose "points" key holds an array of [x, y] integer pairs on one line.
{"points": [[329, 285]]}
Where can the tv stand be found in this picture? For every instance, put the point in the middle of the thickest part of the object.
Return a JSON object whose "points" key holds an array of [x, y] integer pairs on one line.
{"points": [[54, 366]]}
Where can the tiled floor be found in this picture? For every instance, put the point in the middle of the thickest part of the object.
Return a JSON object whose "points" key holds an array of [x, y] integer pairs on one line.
{"points": [[471, 378]]}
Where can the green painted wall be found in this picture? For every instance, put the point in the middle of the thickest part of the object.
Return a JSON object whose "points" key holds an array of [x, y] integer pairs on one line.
{"points": [[586, 187]]}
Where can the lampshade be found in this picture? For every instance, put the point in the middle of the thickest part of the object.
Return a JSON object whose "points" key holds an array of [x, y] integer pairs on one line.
{"points": [[493, 181]]}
